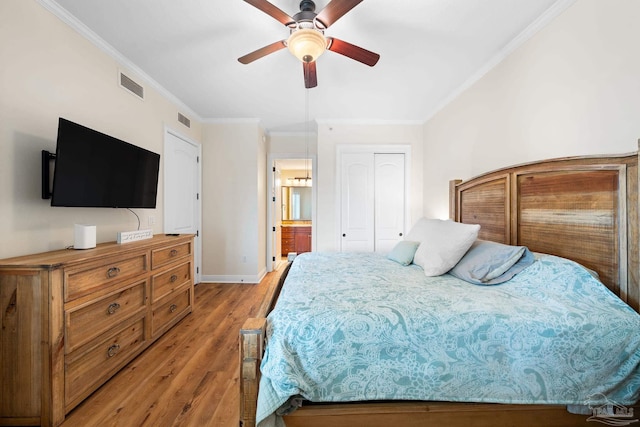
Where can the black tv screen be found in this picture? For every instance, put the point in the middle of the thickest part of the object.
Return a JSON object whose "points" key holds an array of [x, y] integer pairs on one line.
{"points": [[96, 170]]}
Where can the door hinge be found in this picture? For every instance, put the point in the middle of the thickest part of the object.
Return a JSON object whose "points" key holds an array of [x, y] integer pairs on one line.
{"points": [[274, 198], [274, 259], [274, 168], [197, 233], [197, 196], [197, 270], [197, 159], [274, 229]]}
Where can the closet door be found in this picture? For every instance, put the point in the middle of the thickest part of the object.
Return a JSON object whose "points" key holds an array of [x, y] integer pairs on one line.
{"points": [[389, 200], [356, 198], [372, 197]]}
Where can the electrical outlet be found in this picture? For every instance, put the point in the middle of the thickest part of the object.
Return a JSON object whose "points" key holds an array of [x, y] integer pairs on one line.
{"points": [[151, 219]]}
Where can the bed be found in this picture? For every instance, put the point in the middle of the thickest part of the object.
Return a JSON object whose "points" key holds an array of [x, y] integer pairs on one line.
{"points": [[582, 211]]}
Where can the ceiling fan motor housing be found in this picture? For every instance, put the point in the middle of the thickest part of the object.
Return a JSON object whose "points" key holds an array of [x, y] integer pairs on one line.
{"points": [[307, 6], [306, 15]]}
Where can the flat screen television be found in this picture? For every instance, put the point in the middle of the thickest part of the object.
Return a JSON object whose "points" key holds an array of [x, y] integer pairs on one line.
{"points": [[96, 170]]}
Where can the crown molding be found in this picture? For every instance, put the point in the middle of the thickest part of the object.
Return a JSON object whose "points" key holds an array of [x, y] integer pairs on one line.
{"points": [[233, 121], [543, 20], [73, 22], [369, 122], [293, 134]]}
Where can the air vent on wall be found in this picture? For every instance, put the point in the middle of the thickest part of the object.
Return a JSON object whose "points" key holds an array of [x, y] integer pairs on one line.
{"points": [[133, 87], [185, 121]]}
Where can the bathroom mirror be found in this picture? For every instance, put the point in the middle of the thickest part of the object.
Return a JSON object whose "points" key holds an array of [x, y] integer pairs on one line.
{"points": [[296, 203]]}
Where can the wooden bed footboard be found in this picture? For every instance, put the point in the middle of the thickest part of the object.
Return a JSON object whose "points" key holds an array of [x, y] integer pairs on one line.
{"points": [[251, 350], [252, 341], [436, 414]]}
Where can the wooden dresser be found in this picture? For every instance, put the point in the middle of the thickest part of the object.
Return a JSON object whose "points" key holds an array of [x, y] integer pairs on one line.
{"points": [[72, 318]]}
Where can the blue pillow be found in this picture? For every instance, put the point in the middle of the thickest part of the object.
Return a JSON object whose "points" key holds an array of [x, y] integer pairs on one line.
{"points": [[491, 263], [403, 252]]}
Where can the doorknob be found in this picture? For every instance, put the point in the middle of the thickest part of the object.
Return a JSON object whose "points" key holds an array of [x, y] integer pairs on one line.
{"points": [[344, 235], [400, 234]]}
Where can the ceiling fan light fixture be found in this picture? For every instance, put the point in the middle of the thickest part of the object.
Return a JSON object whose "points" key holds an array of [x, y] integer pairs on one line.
{"points": [[307, 44]]}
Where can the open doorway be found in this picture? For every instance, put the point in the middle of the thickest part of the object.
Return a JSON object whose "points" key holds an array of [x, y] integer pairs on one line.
{"points": [[292, 208]]}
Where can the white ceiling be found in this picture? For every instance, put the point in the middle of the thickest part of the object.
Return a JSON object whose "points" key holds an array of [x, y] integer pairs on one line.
{"points": [[430, 50]]}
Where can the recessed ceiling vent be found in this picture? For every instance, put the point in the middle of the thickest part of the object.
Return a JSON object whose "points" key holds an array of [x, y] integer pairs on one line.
{"points": [[130, 85], [184, 120]]}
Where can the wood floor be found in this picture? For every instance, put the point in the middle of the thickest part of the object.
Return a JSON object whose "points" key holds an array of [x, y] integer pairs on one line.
{"points": [[189, 377]]}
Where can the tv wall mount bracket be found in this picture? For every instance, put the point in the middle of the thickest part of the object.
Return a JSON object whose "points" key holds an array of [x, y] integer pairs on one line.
{"points": [[47, 159]]}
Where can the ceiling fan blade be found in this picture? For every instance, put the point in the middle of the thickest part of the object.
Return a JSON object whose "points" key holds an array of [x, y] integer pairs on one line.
{"points": [[335, 10], [310, 76], [272, 11], [264, 51], [352, 51]]}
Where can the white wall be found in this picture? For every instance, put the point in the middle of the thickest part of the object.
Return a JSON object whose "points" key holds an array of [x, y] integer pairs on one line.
{"points": [[332, 134], [233, 202], [293, 143], [48, 70], [572, 89]]}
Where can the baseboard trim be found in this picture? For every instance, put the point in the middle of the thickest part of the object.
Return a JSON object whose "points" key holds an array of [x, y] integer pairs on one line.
{"points": [[241, 279]]}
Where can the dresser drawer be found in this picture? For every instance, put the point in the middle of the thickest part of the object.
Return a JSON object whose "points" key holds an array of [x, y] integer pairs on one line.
{"points": [[288, 232], [173, 309], [288, 242], [89, 366], [85, 322], [287, 245], [84, 280], [164, 256], [165, 283]]}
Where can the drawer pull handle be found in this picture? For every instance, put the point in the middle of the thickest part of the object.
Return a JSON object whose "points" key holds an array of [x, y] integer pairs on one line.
{"points": [[112, 272], [173, 252], [113, 307], [174, 278], [113, 350], [173, 308]]}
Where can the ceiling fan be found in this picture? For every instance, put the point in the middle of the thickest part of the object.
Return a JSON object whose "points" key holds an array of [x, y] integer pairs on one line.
{"points": [[306, 40]]}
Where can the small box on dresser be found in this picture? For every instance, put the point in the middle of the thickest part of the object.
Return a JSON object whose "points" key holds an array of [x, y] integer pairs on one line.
{"points": [[71, 319]]}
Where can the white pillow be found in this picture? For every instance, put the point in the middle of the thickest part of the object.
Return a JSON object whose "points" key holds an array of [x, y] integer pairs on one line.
{"points": [[442, 243]]}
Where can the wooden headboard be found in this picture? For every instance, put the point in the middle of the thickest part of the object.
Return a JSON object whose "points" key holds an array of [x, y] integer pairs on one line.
{"points": [[581, 208]]}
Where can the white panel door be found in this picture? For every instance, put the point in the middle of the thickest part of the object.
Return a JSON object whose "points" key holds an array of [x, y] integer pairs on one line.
{"points": [[357, 197], [389, 200], [181, 189]]}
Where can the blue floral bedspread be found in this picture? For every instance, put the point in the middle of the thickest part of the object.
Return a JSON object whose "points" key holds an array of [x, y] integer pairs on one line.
{"points": [[355, 327]]}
